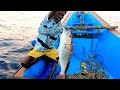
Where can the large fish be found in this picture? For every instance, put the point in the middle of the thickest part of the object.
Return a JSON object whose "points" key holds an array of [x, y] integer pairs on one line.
{"points": [[65, 50]]}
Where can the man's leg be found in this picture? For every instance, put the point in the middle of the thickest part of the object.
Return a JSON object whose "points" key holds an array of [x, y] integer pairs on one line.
{"points": [[29, 61], [25, 63]]}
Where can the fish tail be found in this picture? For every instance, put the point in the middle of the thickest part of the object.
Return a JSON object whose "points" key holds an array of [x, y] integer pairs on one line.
{"points": [[61, 76]]}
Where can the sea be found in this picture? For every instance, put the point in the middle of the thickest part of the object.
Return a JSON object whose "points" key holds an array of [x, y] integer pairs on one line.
{"points": [[19, 28]]}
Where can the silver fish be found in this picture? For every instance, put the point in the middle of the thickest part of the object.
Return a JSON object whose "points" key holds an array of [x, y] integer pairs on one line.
{"points": [[65, 50]]}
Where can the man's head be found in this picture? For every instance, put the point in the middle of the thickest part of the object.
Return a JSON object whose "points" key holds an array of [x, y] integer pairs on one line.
{"points": [[59, 16]]}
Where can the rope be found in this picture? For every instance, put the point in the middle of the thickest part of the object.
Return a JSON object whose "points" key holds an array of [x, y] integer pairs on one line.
{"points": [[91, 47]]}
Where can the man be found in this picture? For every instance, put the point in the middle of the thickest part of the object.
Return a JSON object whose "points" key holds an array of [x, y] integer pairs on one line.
{"points": [[49, 30]]}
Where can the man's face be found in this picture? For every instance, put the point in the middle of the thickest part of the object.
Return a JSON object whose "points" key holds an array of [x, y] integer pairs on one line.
{"points": [[59, 16]]}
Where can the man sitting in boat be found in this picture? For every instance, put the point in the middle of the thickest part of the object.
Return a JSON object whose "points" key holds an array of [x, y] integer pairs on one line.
{"points": [[49, 30]]}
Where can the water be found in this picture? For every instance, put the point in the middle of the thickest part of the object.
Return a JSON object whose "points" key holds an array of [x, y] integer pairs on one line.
{"points": [[19, 28]]}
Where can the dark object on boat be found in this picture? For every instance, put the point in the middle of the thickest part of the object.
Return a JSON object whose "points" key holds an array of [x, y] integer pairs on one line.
{"points": [[87, 76]]}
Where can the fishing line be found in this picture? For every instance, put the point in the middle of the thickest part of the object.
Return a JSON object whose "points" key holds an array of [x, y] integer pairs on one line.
{"points": [[91, 47], [101, 57], [76, 70], [77, 57]]}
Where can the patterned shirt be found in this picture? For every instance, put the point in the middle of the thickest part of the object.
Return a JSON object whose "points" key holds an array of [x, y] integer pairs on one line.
{"points": [[48, 32]]}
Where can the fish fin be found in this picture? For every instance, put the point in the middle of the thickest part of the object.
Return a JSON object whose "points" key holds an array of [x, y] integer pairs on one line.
{"points": [[72, 48], [58, 63], [65, 46], [57, 49], [60, 76]]}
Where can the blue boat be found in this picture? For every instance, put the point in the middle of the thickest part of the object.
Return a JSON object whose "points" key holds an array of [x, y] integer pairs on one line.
{"points": [[96, 44]]}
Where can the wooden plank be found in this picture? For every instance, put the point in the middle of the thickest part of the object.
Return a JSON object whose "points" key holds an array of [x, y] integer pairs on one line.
{"points": [[105, 23], [89, 27], [53, 69], [20, 72]]}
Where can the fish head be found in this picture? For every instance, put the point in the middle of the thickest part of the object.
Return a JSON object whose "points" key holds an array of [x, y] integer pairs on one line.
{"points": [[68, 35]]}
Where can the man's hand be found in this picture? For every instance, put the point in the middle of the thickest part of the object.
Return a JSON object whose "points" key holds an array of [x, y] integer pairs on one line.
{"points": [[51, 14], [57, 30]]}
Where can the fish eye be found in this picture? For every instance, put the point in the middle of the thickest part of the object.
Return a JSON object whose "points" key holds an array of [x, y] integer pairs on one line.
{"points": [[70, 36]]}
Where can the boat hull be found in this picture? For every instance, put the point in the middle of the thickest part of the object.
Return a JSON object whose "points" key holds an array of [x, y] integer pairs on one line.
{"points": [[102, 46]]}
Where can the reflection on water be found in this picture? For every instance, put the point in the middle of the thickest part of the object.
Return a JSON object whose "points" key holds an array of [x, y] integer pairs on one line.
{"points": [[17, 30]]}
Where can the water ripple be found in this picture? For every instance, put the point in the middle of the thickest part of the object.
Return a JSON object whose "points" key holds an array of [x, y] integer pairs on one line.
{"points": [[3, 56], [22, 50], [3, 65]]}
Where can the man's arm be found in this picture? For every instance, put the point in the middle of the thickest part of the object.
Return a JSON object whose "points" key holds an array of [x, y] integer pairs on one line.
{"points": [[51, 14], [43, 28]]}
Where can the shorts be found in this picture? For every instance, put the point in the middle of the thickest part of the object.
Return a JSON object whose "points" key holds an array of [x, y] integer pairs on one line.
{"points": [[52, 53]]}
